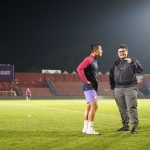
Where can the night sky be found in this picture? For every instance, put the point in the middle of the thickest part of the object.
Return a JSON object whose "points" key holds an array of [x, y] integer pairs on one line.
{"points": [[57, 34]]}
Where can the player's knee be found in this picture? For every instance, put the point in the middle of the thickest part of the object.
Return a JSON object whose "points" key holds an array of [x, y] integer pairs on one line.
{"points": [[95, 107], [86, 112]]}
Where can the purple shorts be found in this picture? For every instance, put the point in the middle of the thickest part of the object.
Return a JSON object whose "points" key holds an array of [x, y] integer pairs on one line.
{"points": [[91, 96]]}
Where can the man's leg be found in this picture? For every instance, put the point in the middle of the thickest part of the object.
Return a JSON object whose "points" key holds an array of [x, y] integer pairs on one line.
{"points": [[26, 98], [93, 108], [91, 116], [121, 103], [86, 118], [131, 100], [91, 98]]}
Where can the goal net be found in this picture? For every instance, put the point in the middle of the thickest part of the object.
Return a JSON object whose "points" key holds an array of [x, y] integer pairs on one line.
{"points": [[8, 93]]}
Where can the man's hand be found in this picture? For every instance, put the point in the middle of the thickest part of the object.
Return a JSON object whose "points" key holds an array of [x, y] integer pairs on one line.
{"points": [[128, 60], [112, 87], [90, 83]]}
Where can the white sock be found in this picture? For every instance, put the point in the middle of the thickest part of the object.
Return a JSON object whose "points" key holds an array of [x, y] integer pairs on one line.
{"points": [[85, 124], [90, 126]]}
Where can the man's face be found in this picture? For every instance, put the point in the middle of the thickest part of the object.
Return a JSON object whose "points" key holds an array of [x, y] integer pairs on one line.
{"points": [[122, 53], [98, 52]]}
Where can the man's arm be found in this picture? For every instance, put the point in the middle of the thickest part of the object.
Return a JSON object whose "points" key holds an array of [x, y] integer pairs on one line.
{"points": [[86, 62], [111, 78], [137, 67]]}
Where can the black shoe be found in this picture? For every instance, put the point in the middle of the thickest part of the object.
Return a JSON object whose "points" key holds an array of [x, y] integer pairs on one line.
{"points": [[125, 128], [134, 129]]}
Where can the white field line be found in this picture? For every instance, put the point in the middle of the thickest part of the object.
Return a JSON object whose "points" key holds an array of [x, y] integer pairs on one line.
{"points": [[60, 109]]}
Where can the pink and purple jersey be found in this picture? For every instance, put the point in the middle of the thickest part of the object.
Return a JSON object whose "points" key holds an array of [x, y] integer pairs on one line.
{"points": [[28, 93], [87, 70]]}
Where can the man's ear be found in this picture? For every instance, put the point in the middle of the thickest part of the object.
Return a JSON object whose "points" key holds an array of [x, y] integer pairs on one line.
{"points": [[95, 50]]}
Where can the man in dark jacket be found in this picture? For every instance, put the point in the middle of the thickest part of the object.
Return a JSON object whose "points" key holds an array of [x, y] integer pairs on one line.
{"points": [[123, 82]]}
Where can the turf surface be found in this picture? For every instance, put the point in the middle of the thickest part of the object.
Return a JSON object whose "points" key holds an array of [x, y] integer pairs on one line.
{"points": [[57, 125]]}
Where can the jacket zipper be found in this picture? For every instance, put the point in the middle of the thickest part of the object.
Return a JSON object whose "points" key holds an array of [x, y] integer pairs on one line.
{"points": [[120, 71]]}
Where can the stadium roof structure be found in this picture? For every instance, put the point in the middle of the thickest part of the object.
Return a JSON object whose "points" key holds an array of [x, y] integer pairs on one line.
{"points": [[65, 72], [99, 72], [56, 72], [46, 71], [73, 72], [107, 73]]}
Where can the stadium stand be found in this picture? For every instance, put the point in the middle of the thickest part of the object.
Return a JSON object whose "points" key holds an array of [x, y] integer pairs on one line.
{"points": [[34, 81], [38, 91], [68, 88], [42, 84], [104, 89], [5, 85], [75, 88]]}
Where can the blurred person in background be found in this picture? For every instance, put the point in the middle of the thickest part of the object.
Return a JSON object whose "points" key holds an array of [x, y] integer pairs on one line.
{"points": [[28, 94]]}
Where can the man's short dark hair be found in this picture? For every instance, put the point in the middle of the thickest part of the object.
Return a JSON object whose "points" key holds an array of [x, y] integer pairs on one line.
{"points": [[123, 46], [94, 47]]}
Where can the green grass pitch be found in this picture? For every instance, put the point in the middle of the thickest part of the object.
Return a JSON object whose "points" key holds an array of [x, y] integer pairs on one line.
{"points": [[57, 125]]}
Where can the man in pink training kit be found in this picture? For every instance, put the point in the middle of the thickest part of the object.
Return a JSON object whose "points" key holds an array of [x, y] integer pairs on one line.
{"points": [[88, 70], [28, 94]]}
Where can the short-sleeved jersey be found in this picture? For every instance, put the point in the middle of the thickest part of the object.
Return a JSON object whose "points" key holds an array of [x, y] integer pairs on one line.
{"points": [[87, 70], [28, 92]]}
